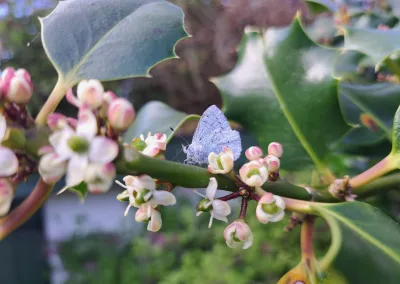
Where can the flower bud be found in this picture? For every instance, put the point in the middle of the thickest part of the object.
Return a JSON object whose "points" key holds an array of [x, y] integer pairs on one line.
{"points": [[270, 208], [51, 167], [254, 153], [254, 173], [6, 196], [108, 97], [90, 92], [275, 149], [56, 121], [158, 140], [273, 163], [221, 163], [100, 177], [120, 114], [238, 234], [16, 86]]}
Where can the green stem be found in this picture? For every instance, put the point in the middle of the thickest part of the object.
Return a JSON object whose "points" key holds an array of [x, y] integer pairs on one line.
{"points": [[336, 241], [381, 168], [52, 102], [187, 118], [393, 67], [26, 209], [384, 183], [301, 206]]}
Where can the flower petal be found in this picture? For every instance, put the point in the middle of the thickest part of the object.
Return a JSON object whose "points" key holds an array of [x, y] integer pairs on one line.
{"points": [[6, 196], [155, 221], [211, 188], [144, 182], [8, 162], [51, 169], [249, 242], [87, 124], [221, 209], [3, 127], [277, 217], [76, 170], [59, 141], [163, 198], [103, 150]]}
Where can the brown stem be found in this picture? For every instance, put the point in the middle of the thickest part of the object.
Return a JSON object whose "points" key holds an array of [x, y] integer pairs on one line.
{"points": [[243, 209], [230, 196], [381, 168], [307, 229], [26, 209], [254, 196]]}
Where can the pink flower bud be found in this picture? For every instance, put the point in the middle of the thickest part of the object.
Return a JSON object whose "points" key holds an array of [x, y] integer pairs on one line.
{"points": [[270, 208], [254, 173], [238, 234], [90, 92], [51, 167], [221, 163], [16, 86], [56, 121], [108, 97], [6, 196], [254, 153], [8, 162], [120, 114], [273, 163], [275, 149]]}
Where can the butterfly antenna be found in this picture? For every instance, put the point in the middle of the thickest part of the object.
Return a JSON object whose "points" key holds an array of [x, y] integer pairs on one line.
{"points": [[187, 142]]}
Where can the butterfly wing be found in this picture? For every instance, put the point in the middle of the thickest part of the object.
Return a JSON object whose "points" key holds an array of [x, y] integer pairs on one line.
{"points": [[226, 137]]}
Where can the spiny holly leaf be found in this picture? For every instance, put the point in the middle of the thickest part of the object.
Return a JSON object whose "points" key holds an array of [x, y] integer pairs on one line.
{"points": [[378, 44], [154, 117], [321, 6], [379, 101], [110, 40], [368, 242], [296, 106], [347, 67]]}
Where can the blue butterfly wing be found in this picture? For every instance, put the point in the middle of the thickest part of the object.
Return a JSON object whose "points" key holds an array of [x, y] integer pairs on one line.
{"points": [[226, 137]]}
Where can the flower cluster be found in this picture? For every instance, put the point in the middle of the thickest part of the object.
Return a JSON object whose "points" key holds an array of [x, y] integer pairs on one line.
{"points": [[142, 193], [152, 146], [84, 149]]}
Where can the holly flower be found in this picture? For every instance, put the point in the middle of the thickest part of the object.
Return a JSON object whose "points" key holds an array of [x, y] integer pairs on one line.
{"points": [[221, 163], [238, 234], [8, 160], [270, 208]]}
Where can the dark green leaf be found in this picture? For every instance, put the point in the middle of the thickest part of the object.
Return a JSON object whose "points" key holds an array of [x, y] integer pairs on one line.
{"points": [[370, 249], [321, 6], [154, 117], [81, 190], [396, 133], [110, 40]]}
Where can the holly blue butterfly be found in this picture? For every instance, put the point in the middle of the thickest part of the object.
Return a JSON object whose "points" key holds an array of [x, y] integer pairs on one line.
{"points": [[212, 134]]}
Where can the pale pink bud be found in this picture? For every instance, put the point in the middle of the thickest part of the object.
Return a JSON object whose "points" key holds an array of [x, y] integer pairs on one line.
{"points": [[158, 140], [108, 97], [275, 149], [273, 163], [270, 208], [120, 114], [51, 167], [16, 86], [254, 173], [8, 162], [221, 163], [238, 234], [151, 151], [6, 196], [254, 153], [90, 92], [56, 121]]}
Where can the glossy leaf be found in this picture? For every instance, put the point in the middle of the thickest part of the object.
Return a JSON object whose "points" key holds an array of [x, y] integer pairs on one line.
{"points": [[81, 190], [370, 248], [321, 6], [154, 117], [396, 133], [110, 40], [300, 105], [378, 44], [380, 101]]}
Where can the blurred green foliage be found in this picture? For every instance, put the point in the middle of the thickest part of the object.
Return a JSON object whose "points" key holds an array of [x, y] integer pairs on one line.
{"points": [[186, 251]]}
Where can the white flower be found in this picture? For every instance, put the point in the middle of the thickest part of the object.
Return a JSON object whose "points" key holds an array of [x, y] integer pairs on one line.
{"points": [[238, 234], [146, 213], [8, 160], [221, 163], [90, 94], [6, 196], [219, 209], [254, 173], [141, 190], [270, 208], [100, 177], [152, 145], [82, 147], [51, 167]]}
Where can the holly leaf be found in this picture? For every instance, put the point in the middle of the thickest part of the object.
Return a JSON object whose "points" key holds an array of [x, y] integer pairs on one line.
{"points": [[367, 242], [377, 44], [294, 104], [109, 40], [155, 117], [396, 135]]}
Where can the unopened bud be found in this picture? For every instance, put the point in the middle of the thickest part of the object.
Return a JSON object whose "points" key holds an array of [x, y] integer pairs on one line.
{"points": [[90, 92], [273, 163], [254, 153], [16, 86], [275, 149], [120, 114]]}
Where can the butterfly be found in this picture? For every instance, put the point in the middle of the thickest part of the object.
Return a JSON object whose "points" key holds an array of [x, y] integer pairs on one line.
{"points": [[212, 134]]}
